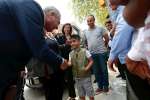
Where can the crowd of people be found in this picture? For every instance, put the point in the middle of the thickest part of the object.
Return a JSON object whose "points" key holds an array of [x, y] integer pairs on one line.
{"points": [[31, 38]]}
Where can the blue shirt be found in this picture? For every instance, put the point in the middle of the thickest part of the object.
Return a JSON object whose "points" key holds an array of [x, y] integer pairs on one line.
{"points": [[121, 42], [114, 14]]}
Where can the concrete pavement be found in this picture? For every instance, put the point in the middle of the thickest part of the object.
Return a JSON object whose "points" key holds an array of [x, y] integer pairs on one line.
{"points": [[117, 90]]}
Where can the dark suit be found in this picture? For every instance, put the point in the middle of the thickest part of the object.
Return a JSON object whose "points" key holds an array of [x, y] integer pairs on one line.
{"points": [[65, 50], [21, 28]]}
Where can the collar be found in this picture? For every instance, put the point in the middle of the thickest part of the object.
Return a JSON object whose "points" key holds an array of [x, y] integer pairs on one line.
{"points": [[77, 49]]}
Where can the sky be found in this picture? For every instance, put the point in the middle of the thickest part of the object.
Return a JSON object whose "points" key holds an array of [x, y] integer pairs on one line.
{"points": [[64, 6]]}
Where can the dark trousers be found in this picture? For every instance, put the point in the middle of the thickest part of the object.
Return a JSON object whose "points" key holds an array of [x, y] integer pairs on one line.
{"points": [[53, 86], [137, 88], [9, 79], [100, 70], [121, 69], [70, 82]]}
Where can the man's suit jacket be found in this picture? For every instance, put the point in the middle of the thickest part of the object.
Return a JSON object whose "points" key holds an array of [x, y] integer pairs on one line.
{"points": [[21, 28]]}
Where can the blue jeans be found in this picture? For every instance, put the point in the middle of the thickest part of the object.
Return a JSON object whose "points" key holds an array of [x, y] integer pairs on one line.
{"points": [[100, 70]]}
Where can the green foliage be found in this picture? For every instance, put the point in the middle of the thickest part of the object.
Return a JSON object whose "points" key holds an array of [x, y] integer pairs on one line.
{"points": [[83, 8]]}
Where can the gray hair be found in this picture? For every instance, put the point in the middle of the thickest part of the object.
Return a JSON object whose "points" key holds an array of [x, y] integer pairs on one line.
{"points": [[53, 11]]}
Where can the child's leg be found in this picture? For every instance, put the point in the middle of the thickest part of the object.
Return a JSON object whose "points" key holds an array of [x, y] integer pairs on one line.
{"points": [[80, 88], [89, 88], [91, 97], [82, 98]]}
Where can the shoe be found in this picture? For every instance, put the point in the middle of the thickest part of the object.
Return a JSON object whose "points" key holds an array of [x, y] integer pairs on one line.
{"points": [[76, 98], [69, 98], [98, 91], [94, 81], [118, 76]]}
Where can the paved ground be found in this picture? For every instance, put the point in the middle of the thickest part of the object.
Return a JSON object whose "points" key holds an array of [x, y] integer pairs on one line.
{"points": [[117, 91]]}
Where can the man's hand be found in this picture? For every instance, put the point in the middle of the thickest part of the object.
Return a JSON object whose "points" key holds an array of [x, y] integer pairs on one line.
{"points": [[68, 42], [23, 74], [139, 68], [110, 65], [64, 65], [69, 63], [116, 61]]}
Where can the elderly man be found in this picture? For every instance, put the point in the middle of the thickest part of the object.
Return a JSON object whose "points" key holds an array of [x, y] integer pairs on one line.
{"points": [[53, 82], [21, 37]]}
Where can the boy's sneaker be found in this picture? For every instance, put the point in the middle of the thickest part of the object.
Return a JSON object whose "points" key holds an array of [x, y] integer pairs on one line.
{"points": [[98, 91], [76, 98], [69, 98]]}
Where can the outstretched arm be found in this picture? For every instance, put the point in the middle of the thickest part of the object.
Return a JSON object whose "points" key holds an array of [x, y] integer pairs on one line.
{"points": [[30, 21]]}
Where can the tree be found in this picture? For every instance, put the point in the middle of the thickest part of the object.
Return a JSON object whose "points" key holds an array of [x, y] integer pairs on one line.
{"points": [[83, 8]]}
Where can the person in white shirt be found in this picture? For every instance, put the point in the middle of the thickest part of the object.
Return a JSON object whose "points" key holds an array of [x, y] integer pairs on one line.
{"points": [[138, 61]]}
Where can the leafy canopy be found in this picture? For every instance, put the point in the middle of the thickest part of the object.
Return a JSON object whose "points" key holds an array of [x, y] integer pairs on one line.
{"points": [[83, 8]]}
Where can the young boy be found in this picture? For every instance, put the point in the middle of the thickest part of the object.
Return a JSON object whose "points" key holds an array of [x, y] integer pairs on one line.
{"points": [[81, 61]]}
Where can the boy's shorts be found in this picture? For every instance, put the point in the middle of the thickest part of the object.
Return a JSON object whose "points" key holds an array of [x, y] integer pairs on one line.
{"points": [[84, 86]]}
